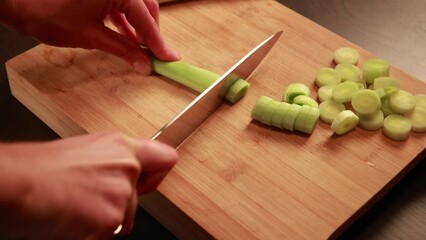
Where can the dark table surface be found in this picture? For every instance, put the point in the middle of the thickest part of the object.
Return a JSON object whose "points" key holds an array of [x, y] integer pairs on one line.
{"points": [[394, 30]]}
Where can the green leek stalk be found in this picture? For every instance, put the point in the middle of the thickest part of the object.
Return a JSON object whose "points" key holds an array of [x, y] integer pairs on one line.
{"points": [[196, 78]]}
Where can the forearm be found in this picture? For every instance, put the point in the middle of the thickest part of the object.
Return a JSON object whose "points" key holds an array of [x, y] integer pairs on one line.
{"points": [[14, 187]]}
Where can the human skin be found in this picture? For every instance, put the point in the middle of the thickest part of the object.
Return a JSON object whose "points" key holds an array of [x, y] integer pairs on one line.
{"points": [[83, 187], [80, 23], [80, 187]]}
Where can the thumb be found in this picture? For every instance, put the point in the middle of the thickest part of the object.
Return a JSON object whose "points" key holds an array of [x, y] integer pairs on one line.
{"points": [[103, 38]]}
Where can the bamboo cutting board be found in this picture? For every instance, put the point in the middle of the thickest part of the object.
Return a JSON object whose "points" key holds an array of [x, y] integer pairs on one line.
{"points": [[235, 178]]}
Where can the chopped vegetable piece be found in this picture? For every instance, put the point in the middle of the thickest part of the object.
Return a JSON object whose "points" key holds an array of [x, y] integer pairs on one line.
{"points": [[344, 122], [420, 100], [389, 84], [327, 76], [295, 89], [402, 102], [329, 109], [386, 109], [344, 91], [325, 92], [260, 107], [381, 92], [346, 55], [311, 120], [418, 119], [290, 117], [279, 114], [396, 127], [266, 117], [196, 78], [372, 122], [348, 71], [305, 100], [361, 84], [299, 122], [366, 101], [375, 68], [237, 90]]}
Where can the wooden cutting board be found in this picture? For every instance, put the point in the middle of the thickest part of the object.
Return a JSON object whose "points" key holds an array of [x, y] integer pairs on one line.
{"points": [[235, 178]]}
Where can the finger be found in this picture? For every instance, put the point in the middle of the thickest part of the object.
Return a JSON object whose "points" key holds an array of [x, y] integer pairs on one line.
{"points": [[148, 182], [157, 160], [102, 38], [140, 18], [156, 156], [122, 25], [130, 214], [154, 10]]}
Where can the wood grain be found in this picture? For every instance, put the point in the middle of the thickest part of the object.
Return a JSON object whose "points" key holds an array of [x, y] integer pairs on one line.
{"points": [[235, 178], [394, 31]]}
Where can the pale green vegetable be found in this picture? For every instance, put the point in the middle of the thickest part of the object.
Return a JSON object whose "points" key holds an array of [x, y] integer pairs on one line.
{"points": [[196, 78], [349, 72], [260, 107], [305, 100], [386, 109], [344, 122], [372, 122], [327, 76], [402, 102], [295, 89], [311, 120], [279, 114], [418, 119], [375, 68], [325, 92], [381, 92], [329, 109], [397, 127], [290, 117], [389, 84], [299, 122], [346, 55], [237, 90], [344, 91], [285, 115], [366, 101], [270, 109], [420, 100], [361, 84]]}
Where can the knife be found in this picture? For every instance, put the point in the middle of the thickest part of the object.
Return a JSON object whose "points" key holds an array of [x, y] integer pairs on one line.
{"points": [[176, 131]]}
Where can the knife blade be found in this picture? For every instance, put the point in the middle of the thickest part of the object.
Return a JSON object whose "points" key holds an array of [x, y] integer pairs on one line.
{"points": [[177, 130]]}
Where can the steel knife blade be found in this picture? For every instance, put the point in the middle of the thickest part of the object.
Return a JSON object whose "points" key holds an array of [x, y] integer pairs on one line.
{"points": [[177, 130]]}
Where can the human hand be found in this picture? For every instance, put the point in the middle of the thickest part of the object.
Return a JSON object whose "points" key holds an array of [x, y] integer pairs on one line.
{"points": [[84, 187], [80, 23]]}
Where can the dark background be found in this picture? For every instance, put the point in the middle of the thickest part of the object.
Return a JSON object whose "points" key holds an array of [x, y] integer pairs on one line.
{"points": [[394, 30]]}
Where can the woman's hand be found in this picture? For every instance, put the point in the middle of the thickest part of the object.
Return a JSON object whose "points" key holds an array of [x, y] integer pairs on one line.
{"points": [[81, 187], [80, 23]]}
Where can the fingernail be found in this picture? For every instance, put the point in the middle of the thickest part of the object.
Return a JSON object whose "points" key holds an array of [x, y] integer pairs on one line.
{"points": [[142, 68]]}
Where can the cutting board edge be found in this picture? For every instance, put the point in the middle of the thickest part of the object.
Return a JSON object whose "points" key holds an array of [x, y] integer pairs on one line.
{"points": [[24, 93], [379, 195]]}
